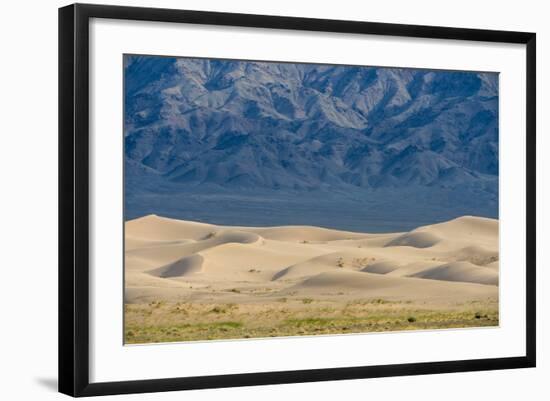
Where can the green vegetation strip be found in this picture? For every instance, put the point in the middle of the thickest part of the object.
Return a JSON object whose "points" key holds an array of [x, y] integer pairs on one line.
{"points": [[169, 323]]}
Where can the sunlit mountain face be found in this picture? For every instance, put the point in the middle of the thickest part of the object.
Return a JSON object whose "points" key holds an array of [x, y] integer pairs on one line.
{"points": [[399, 144]]}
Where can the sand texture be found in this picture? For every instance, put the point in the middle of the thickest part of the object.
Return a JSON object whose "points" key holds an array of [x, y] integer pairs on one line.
{"points": [[192, 266]]}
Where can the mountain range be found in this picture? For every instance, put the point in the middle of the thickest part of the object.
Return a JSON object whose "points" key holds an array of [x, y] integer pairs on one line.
{"points": [[245, 126]]}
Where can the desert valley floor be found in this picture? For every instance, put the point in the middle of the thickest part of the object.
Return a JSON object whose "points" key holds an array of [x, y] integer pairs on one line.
{"points": [[188, 281]]}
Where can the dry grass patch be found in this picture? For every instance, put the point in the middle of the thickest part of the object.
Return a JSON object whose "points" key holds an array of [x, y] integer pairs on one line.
{"points": [[168, 322]]}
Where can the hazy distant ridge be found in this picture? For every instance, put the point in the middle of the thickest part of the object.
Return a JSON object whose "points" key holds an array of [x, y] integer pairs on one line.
{"points": [[279, 125], [424, 143]]}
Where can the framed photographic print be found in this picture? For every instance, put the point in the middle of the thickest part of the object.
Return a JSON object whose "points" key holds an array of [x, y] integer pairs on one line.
{"points": [[249, 199]]}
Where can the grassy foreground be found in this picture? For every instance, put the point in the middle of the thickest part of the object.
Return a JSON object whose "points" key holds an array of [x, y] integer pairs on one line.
{"points": [[167, 322]]}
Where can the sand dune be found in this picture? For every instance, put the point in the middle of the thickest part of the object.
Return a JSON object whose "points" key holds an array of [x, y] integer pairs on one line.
{"points": [[169, 259], [331, 261], [383, 267], [308, 233], [414, 268], [165, 252], [182, 267], [475, 254], [460, 271], [382, 286], [163, 229], [137, 243], [419, 239]]}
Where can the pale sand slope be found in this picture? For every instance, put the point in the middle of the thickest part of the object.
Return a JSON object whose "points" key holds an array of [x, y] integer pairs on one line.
{"points": [[174, 260]]}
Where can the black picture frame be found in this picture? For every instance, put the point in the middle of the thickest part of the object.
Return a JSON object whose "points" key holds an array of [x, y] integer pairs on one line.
{"points": [[74, 198]]}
